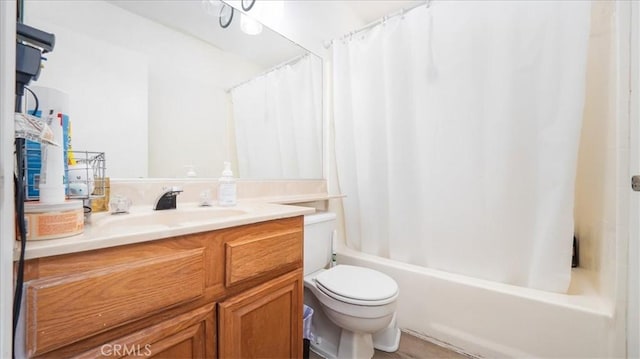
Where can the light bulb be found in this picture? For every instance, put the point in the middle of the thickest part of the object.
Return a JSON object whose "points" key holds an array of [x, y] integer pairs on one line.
{"points": [[250, 26]]}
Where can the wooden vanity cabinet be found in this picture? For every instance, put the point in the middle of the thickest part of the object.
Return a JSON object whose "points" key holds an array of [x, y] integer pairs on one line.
{"points": [[264, 322], [229, 293]]}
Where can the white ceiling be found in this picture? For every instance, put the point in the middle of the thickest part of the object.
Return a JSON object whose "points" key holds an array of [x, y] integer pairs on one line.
{"points": [[371, 10], [199, 19]]}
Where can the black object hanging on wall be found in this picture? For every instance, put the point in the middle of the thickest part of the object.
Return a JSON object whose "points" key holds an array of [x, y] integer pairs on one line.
{"points": [[575, 258]]}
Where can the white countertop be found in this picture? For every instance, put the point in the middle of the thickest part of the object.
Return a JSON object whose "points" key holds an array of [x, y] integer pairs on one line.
{"points": [[143, 224]]}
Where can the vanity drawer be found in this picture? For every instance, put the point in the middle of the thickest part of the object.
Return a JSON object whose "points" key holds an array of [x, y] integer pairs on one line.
{"points": [[63, 309], [263, 250], [188, 335]]}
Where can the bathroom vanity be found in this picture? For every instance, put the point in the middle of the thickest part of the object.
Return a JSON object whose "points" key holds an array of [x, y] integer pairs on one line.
{"points": [[233, 292]]}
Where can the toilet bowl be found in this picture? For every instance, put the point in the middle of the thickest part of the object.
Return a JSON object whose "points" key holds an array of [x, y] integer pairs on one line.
{"points": [[354, 307]]}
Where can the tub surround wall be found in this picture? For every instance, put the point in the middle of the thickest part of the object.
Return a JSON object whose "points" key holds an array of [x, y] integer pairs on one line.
{"points": [[602, 181], [595, 203]]}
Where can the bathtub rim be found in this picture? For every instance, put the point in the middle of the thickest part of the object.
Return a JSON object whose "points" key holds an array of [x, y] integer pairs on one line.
{"points": [[587, 299]]}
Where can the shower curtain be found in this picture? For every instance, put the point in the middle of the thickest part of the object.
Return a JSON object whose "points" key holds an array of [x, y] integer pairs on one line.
{"points": [[457, 129], [278, 123]]}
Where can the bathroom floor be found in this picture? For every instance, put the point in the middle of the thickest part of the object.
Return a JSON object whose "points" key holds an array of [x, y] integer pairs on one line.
{"points": [[413, 348]]}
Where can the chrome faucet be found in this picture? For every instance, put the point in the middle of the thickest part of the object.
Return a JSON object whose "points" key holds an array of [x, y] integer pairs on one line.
{"points": [[167, 199]]}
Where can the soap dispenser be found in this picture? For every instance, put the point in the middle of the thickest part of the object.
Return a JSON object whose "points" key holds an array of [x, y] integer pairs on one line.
{"points": [[227, 187]]}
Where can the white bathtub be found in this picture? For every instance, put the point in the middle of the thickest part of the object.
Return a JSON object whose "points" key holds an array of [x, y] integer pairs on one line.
{"points": [[493, 320]]}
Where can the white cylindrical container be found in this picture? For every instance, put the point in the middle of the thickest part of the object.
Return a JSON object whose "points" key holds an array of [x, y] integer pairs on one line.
{"points": [[49, 221], [52, 168], [53, 103]]}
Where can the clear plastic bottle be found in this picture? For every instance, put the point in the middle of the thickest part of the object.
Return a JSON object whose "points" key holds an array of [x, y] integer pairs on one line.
{"points": [[227, 187]]}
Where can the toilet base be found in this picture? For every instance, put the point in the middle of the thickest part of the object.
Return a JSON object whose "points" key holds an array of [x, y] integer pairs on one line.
{"points": [[355, 345], [331, 341], [388, 339]]}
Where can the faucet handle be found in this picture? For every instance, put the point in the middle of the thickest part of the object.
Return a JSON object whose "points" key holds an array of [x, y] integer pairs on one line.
{"points": [[205, 198], [120, 204]]}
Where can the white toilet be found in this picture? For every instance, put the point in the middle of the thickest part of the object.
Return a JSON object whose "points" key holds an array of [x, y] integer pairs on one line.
{"points": [[354, 307]]}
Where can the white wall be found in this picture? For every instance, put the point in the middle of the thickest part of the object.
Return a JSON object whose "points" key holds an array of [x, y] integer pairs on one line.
{"points": [[633, 280], [7, 232], [624, 260], [105, 55]]}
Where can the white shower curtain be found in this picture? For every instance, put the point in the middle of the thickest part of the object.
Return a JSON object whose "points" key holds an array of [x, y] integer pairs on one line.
{"points": [[457, 130], [278, 122]]}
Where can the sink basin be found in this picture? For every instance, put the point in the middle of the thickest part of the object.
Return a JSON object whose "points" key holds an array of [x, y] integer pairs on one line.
{"points": [[168, 218]]}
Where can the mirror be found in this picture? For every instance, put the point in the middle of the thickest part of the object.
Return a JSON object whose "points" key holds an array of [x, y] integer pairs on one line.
{"points": [[165, 91]]}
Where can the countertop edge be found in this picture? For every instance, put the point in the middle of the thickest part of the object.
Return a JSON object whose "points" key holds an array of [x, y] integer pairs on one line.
{"points": [[83, 242]]}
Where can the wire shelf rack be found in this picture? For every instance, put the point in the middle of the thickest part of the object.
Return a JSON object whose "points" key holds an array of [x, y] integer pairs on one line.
{"points": [[86, 179], [84, 175]]}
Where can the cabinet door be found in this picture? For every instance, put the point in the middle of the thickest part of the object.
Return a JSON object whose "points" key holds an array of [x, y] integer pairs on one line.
{"points": [[263, 322], [190, 335]]}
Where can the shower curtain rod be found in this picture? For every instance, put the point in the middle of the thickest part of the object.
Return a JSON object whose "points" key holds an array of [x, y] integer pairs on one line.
{"points": [[379, 21], [288, 62]]}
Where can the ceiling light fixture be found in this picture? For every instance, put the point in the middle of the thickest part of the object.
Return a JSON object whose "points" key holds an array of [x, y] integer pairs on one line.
{"points": [[212, 7], [226, 15], [248, 25], [247, 4]]}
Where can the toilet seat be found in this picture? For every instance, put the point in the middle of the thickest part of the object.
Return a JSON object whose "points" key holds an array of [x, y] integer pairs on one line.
{"points": [[357, 285]]}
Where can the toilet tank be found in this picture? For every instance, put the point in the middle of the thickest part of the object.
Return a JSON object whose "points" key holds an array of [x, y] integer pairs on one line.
{"points": [[318, 234]]}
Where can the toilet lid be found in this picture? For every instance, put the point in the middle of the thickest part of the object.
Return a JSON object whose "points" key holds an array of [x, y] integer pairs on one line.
{"points": [[357, 283]]}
